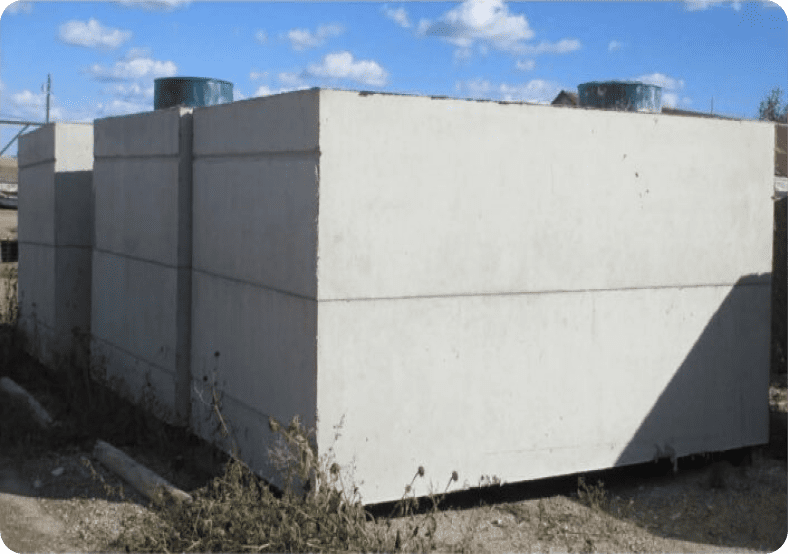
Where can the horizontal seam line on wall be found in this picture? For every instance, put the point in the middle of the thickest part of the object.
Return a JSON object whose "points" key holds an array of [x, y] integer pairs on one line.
{"points": [[236, 400], [143, 260], [35, 164], [35, 243], [38, 322], [541, 292], [133, 355], [284, 153], [137, 156], [255, 285]]}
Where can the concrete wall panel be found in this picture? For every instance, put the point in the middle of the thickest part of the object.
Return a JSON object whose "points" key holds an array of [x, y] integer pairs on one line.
{"points": [[74, 216], [37, 146], [265, 342], [268, 205], [55, 236], [535, 385], [36, 285], [421, 197], [74, 142], [145, 134], [36, 197], [135, 307], [142, 271], [137, 207], [279, 123]]}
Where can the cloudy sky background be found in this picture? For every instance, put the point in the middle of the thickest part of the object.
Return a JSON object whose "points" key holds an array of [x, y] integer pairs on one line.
{"points": [[103, 56]]}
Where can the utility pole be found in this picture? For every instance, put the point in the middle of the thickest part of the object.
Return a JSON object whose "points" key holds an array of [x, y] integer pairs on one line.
{"points": [[49, 88]]}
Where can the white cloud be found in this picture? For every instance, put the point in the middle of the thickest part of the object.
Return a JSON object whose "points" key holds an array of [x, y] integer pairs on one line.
{"points": [[535, 90], [32, 106], [700, 5], [19, 7], [662, 80], [478, 88], [486, 21], [525, 65], [291, 80], [264, 91], [462, 54], [155, 5], [561, 47], [132, 91], [614, 45], [92, 34], [261, 36], [136, 65], [257, 75], [121, 107], [238, 95], [670, 99], [342, 65], [302, 39], [398, 16]]}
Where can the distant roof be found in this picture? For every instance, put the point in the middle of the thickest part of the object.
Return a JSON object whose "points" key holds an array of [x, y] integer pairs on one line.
{"points": [[565, 98], [689, 113], [8, 170]]}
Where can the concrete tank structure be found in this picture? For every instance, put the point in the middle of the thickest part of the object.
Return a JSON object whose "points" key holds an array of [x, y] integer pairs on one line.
{"points": [[632, 96], [192, 92]]}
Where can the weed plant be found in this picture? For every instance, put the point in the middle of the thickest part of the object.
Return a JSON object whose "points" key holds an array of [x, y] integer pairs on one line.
{"points": [[317, 510]]}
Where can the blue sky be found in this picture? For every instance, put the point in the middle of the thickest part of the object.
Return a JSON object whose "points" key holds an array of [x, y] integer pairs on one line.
{"points": [[103, 56]]}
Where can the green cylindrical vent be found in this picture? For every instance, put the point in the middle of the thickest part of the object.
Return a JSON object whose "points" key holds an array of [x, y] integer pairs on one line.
{"points": [[190, 91], [621, 95]]}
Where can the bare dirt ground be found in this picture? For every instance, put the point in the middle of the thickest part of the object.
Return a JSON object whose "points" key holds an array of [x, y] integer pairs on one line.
{"points": [[65, 501]]}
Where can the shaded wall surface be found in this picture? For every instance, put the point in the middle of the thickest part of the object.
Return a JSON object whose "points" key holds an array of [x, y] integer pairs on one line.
{"points": [[141, 297], [254, 318], [55, 240]]}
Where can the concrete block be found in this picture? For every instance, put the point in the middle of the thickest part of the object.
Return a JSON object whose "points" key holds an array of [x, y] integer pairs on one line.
{"points": [[138, 208], [533, 385], [275, 199], [139, 348], [507, 290], [270, 124], [55, 240], [611, 200], [36, 208], [142, 268], [146, 134]]}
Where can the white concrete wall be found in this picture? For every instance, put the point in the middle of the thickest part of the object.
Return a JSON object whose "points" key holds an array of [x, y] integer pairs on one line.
{"points": [[521, 291], [55, 240], [141, 296], [255, 230]]}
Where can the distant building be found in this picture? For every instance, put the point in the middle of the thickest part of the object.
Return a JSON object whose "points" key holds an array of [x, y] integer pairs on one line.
{"points": [[565, 98], [9, 182]]}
